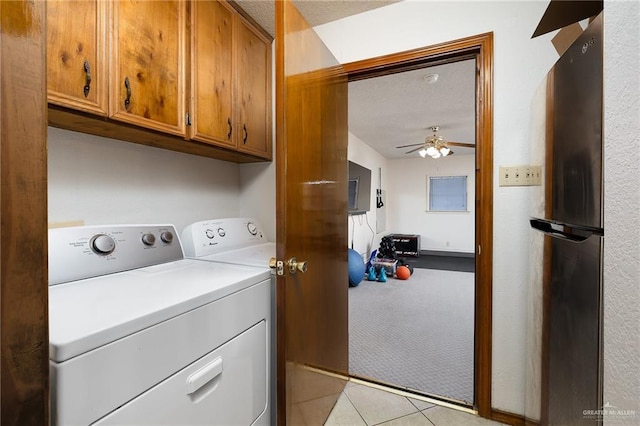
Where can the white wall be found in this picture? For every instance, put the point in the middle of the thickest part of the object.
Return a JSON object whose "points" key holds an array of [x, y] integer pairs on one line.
{"points": [[407, 203], [621, 210], [106, 181], [520, 64], [258, 195], [363, 234]]}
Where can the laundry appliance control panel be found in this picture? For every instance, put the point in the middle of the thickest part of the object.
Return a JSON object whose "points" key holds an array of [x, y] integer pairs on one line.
{"points": [[220, 235], [81, 252]]}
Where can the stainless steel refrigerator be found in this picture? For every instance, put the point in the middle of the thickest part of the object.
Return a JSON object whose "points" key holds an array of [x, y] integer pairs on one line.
{"points": [[571, 219]]}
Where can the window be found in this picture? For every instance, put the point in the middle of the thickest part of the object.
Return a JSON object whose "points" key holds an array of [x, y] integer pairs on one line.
{"points": [[447, 193]]}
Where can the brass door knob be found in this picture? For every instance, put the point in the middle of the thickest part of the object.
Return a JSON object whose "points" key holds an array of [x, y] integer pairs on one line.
{"points": [[295, 266]]}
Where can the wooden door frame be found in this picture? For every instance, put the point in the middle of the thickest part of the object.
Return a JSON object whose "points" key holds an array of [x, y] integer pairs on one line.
{"points": [[479, 47], [24, 338]]}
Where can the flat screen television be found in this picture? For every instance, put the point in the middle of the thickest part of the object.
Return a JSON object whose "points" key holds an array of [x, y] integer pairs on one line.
{"points": [[359, 198]]}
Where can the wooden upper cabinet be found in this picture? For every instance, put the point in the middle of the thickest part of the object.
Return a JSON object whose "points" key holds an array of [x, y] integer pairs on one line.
{"points": [[230, 80], [212, 118], [148, 64], [253, 91], [77, 55]]}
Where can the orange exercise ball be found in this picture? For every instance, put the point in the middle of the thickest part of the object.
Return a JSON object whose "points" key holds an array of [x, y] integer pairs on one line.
{"points": [[402, 272]]}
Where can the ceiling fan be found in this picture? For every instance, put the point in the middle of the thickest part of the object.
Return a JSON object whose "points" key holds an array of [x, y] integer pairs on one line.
{"points": [[435, 146]]}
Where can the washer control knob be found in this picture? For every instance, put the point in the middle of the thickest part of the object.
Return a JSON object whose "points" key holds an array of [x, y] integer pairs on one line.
{"points": [[252, 228], [102, 244], [148, 239], [222, 232], [167, 237], [209, 233]]}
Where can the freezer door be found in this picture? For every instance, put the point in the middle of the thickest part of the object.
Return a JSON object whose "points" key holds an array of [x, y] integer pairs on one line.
{"points": [[573, 316], [575, 149]]}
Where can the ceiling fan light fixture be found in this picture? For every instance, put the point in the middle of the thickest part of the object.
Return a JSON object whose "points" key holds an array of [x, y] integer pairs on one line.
{"points": [[431, 151], [444, 151], [436, 155], [422, 152]]}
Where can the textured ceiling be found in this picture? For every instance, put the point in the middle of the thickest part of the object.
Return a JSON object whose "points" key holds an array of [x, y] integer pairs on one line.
{"points": [[400, 109], [397, 109], [316, 12]]}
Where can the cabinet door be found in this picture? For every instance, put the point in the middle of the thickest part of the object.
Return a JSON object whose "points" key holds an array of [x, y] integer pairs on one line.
{"points": [[211, 73], [147, 65], [253, 105], [76, 55]]}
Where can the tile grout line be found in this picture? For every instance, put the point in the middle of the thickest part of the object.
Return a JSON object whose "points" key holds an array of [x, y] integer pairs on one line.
{"points": [[425, 416], [408, 394], [388, 420], [355, 408]]}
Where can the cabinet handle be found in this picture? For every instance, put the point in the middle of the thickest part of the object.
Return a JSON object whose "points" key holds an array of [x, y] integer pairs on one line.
{"points": [[87, 78], [230, 128], [246, 134], [127, 100]]}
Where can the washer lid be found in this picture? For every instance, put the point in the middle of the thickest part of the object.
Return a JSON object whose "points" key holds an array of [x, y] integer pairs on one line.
{"points": [[257, 255], [87, 314]]}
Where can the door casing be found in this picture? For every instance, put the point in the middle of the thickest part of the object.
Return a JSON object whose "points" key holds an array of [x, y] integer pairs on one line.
{"points": [[480, 48]]}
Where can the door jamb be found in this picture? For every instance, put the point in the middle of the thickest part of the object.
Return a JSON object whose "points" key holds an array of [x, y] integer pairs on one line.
{"points": [[479, 47]]}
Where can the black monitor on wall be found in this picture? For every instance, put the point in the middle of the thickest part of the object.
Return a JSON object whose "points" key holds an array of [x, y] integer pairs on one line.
{"points": [[359, 189]]}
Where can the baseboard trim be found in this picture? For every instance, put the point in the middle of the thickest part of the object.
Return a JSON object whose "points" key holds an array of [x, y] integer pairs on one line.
{"points": [[446, 253], [509, 418]]}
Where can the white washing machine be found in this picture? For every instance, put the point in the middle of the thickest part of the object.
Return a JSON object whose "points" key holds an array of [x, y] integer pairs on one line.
{"points": [[239, 241], [140, 335]]}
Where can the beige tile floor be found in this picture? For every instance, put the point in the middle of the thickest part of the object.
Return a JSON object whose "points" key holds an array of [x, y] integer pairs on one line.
{"points": [[362, 405]]}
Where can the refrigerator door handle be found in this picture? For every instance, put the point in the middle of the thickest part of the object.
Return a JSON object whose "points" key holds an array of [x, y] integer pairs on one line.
{"points": [[576, 234]]}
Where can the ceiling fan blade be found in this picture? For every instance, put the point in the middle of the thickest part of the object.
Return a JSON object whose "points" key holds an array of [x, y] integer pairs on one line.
{"points": [[415, 149], [468, 145], [407, 146]]}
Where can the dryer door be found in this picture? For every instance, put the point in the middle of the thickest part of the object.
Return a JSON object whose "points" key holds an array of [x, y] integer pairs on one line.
{"points": [[227, 386]]}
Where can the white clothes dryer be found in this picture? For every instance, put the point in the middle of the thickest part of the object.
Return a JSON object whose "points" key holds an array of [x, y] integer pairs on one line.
{"points": [[140, 335], [239, 241]]}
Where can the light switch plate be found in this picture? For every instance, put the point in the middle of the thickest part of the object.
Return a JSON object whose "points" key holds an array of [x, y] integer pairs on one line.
{"points": [[524, 175]]}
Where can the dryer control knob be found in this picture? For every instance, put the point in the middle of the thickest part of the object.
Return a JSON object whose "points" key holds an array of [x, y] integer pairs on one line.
{"points": [[222, 232], [167, 237], [252, 228], [102, 244], [148, 239], [209, 233]]}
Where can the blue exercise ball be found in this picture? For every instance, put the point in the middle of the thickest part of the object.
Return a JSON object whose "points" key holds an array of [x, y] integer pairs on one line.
{"points": [[356, 268]]}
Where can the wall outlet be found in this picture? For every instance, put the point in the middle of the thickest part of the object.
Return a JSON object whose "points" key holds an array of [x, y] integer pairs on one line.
{"points": [[536, 175], [524, 175]]}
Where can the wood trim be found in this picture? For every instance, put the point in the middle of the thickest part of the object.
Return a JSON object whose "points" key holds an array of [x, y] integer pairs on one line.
{"points": [[481, 48], [451, 51], [24, 388], [281, 204], [99, 126], [509, 418], [484, 226]]}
